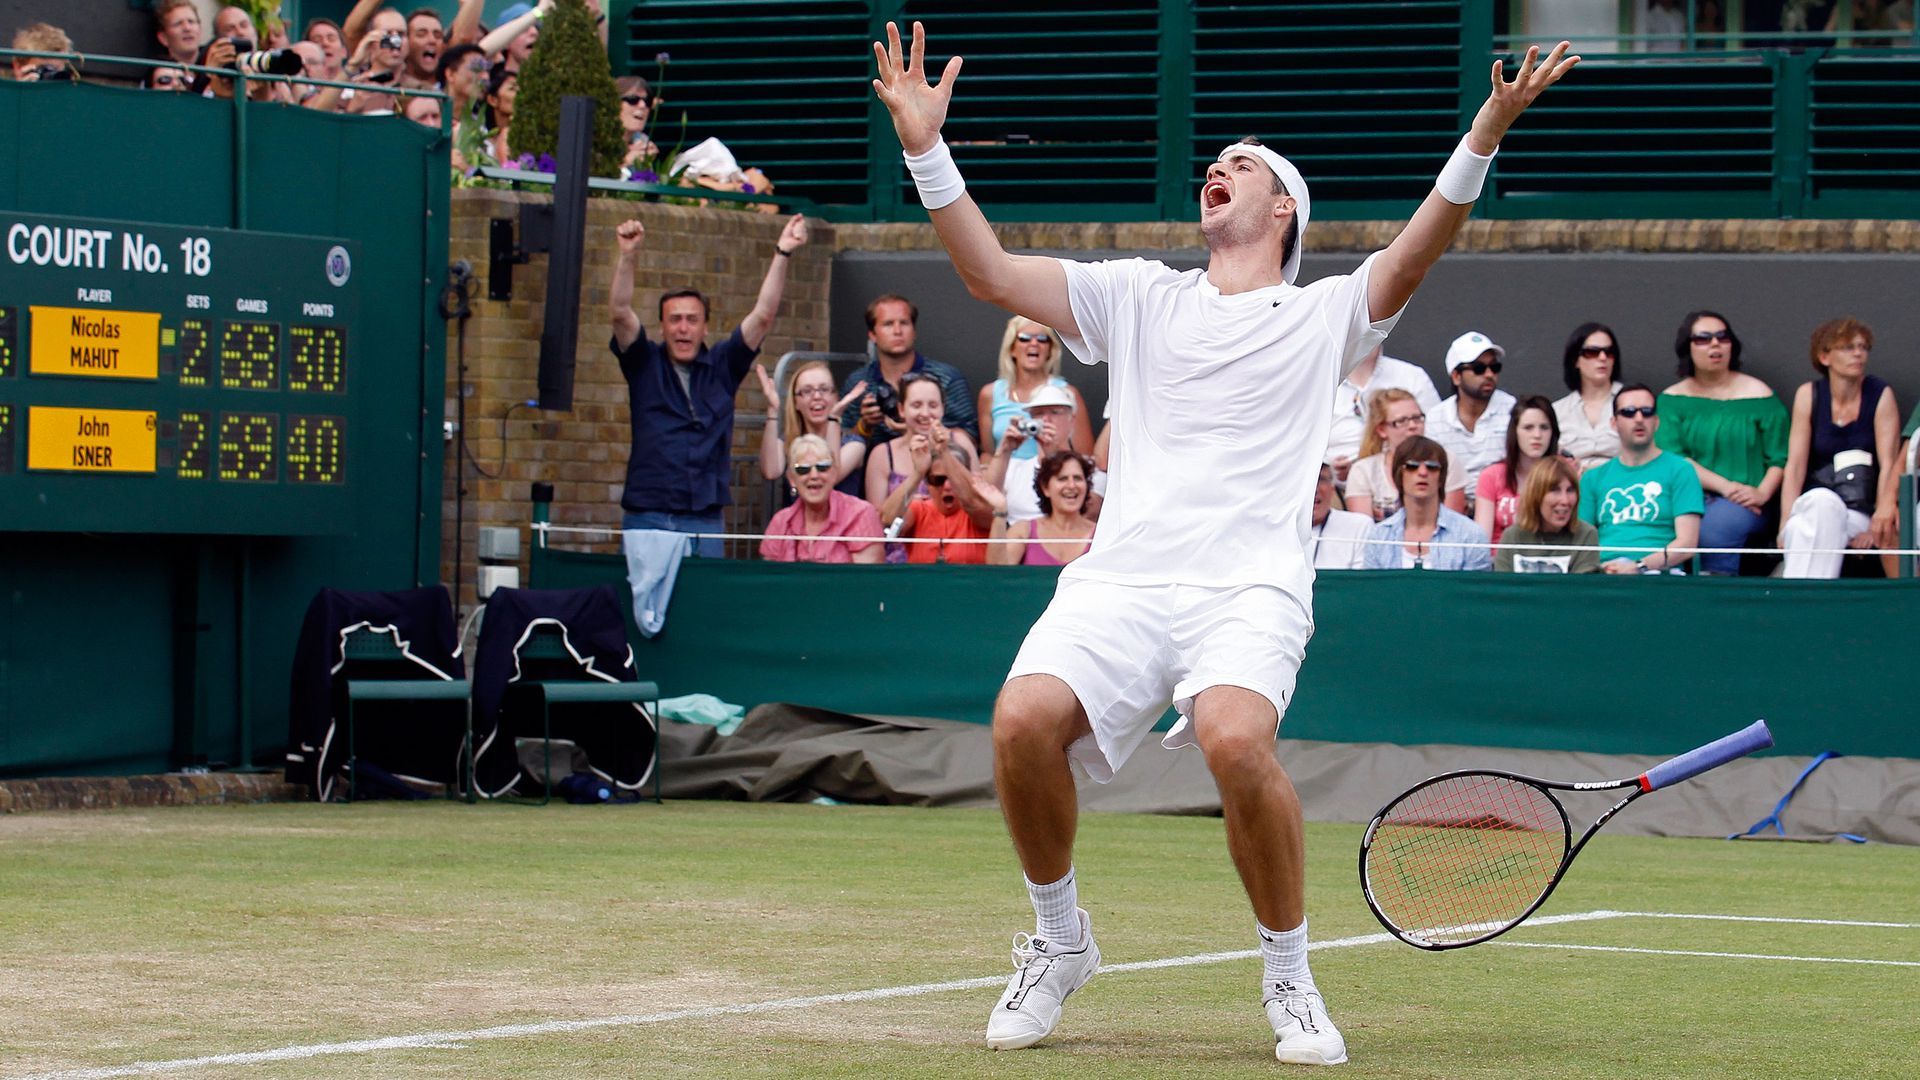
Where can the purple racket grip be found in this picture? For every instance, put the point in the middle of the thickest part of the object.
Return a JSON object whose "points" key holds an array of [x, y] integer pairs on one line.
{"points": [[1747, 740]]}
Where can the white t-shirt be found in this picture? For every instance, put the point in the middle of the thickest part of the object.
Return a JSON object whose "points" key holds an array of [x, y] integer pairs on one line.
{"points": [[1220, 418], [1350, 403], [1336, 544]]}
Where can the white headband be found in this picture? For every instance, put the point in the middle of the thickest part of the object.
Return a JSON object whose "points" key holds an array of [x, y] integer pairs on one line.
{"points": [[1296, 186]]}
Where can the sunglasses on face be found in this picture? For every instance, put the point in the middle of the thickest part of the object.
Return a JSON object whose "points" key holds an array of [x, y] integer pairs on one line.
{"points": [[1422, 466], [1399, 422], [1594, 352], [1044, 339], [633, 99], [163, 81], [1706, 337], [1631, 411], [1481, 367], [937, 480], [802, 470]]}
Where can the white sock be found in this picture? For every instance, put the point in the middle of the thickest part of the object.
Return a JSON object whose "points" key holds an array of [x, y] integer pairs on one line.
{"points": [[1055, 914], [1283, 953]]}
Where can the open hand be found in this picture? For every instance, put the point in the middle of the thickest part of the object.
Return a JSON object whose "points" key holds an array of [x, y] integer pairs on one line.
{"points": [[1509, 99], [853, 395], [919, 109], [767, 389]]}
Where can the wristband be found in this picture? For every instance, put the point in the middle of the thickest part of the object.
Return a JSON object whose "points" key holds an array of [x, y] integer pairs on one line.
{"points": [[783, 252], [1460, 179], [937, 177]]}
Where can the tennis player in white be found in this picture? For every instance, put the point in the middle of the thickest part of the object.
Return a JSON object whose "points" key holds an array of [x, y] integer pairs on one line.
{"points": [[1198, 589]]}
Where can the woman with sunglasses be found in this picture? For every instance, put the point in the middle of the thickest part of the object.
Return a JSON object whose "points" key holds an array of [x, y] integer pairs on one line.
{"points": [[808, 408], [816, 527], [1591, 365], [1545, 520], [1029, 360], [1423, 534], [1733, 429], [636, 109], [1063, 532], [897, 467], [1393, 416], [1842, 486], [1532, 437]]}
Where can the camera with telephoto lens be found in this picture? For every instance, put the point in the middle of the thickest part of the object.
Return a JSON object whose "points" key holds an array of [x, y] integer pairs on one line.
{"points": [[266, 61], [888, 401], [1028, 426]]}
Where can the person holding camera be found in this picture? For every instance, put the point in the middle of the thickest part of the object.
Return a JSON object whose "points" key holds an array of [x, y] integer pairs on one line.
{"points": [[893, 338], [43, 38], [1029, 360], [377, 62], [1047, 423], [1841, 488]]}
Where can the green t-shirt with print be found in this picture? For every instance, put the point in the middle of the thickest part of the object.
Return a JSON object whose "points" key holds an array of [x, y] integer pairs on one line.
{"points": [[1635, 506]]}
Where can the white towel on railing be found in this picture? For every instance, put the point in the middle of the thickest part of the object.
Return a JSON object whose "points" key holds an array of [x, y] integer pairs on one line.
{"points": [[653, 562]]}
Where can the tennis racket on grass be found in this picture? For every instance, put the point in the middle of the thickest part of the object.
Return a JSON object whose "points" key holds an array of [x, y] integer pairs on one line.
{"points": [[1466, 856]]}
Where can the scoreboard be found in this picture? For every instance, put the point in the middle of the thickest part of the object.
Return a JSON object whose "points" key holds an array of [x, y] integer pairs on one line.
{"points": [[156, 379]]}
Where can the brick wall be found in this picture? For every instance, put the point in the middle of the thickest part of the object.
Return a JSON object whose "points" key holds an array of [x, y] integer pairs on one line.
{"points": [[583, 453]]}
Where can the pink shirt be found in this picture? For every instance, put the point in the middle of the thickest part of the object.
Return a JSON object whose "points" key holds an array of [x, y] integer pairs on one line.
{"points": [[1506, 501], [846, 516]]}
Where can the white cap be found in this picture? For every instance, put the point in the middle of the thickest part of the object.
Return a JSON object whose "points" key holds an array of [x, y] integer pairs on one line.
{"points": [[1048, 395], [1467, 348], [1296, 186]]}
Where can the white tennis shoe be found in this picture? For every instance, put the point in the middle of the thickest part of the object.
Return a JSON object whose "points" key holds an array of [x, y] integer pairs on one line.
{"points": [[1043, 976], [1302, 1033]]}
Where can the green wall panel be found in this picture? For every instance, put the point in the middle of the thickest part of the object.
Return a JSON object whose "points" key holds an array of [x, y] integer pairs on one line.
{"points": [[1601, 664]]}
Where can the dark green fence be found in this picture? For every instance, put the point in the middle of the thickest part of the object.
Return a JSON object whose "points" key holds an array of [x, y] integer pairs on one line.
{"points": [[1596, 663], [1109, 109]]}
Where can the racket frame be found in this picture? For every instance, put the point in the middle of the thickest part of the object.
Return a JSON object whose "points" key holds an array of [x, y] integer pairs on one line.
{"points": [[1571, 846]]}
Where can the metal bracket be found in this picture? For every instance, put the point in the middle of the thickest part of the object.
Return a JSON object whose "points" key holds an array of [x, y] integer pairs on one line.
{"points": [[503, 254]]}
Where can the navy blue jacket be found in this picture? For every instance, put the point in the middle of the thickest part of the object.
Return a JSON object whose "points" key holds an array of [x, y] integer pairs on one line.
{"points": [[681, 459]]}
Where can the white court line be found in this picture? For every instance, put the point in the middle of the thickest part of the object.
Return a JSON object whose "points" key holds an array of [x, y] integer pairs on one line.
{"points": [[442, 1039], [1761, 919], [1722, 955]]}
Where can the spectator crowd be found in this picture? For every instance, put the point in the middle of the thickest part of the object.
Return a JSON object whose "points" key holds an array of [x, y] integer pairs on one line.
{"points": [[1614, 476]]}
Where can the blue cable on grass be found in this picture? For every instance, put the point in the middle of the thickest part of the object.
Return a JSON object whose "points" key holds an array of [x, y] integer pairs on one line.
{"points": [[1780, 807]]}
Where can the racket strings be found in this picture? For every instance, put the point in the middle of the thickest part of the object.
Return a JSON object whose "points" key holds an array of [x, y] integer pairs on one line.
{"points": [[1465, 855]]}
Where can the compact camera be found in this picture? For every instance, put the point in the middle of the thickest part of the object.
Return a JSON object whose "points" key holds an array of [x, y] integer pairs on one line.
{"points": [[1026, 425], [393, 39]]}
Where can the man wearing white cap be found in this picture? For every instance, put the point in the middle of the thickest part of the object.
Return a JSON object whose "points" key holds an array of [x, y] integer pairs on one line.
{"points": [[1198, 589], [1472, 424], [1052, 407]]}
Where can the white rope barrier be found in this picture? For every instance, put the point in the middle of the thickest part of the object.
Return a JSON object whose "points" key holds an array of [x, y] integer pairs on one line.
{"points": [[608, 533]]}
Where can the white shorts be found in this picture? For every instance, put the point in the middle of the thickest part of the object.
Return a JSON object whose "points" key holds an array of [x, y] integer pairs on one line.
{"points": [[1128, 651]]}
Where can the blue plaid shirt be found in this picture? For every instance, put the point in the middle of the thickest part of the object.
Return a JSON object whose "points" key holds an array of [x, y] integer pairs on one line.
{"points": [[1451, 528]]}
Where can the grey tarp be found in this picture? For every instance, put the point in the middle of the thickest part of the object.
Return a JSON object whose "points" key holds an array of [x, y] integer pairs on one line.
{"points": [[786, 753]]}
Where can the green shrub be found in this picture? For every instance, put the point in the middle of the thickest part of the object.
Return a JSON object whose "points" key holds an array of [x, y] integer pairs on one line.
{"points": [[568, 59]]}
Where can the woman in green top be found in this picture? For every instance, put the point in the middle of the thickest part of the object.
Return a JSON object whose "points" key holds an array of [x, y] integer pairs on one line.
{"points": [[1733, 429]]}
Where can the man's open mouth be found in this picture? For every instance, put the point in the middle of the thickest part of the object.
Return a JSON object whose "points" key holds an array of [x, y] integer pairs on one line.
{"points": [[1215, 194]]}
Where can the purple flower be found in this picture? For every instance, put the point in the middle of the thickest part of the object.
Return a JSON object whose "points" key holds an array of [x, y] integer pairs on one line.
{"points": [[546, 164], [644, 176], [748, 188], [662, 58], [524, 162]]}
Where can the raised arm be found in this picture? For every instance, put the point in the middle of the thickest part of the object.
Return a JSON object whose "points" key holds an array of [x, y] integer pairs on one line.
{"points": [[354, 26], [1024, 284], [1400, 268], [753, 328], [466, 23], [626, 324]]}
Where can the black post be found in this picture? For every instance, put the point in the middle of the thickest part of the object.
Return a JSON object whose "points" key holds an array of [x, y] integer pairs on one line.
{"points": [[560, 333]]}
